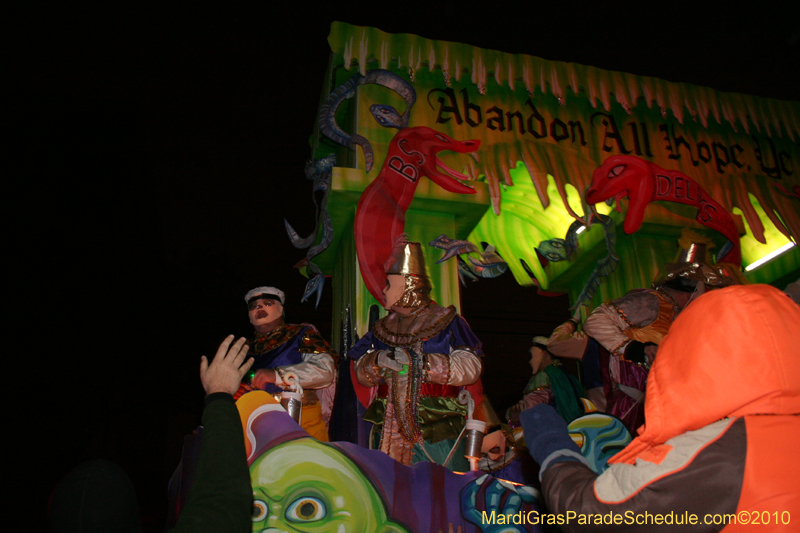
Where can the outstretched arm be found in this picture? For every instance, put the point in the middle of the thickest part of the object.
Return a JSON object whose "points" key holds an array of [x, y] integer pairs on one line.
{"points": [[317, 371], [698, 476], [221, 497], [609, 321]]}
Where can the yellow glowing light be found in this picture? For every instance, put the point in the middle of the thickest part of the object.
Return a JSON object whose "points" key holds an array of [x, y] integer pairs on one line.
{"points": [[769, 257]]}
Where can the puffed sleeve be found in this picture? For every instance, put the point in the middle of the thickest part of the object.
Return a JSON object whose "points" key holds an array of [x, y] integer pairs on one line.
{"points": [[606, 325], [458, 368], [367, 371], [608, 322], [317, 371], [567, 342]]}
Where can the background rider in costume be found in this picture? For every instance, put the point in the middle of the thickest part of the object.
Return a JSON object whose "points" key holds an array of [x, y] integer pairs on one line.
{"points": [[550, 384], [415, 359], [569, 342], [632, 327], [279, 348]]}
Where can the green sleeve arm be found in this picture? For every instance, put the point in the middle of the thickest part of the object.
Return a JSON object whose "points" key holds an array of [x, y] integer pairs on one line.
{"points": [[221, 497]]}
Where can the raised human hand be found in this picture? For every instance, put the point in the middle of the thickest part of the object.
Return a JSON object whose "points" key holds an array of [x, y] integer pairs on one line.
{"points": [[225, 372]]}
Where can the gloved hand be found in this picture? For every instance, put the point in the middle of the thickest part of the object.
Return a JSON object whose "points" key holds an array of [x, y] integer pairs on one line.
{"points": [[401, 355], [386, 360], [547, 437]]}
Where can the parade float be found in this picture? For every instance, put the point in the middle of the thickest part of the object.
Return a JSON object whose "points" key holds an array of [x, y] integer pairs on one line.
{"points": [[521, 154], [567, 177]]}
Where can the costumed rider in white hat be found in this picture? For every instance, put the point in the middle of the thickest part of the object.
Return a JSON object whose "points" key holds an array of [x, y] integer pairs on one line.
{"points": [[279, 348]]}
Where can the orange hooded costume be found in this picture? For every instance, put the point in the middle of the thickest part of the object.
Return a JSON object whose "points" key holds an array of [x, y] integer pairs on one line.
{"points": [[722, 426]]}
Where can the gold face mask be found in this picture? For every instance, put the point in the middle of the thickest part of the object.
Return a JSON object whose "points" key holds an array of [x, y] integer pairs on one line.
{"points": [[416, 293], [408, 261]]}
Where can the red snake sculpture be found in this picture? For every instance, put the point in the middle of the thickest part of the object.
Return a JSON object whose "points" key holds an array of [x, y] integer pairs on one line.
{"points": [[381, 211], [644, 182]]}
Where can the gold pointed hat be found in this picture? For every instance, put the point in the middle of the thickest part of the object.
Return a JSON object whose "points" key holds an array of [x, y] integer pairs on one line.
{"points": [[694, 263]]}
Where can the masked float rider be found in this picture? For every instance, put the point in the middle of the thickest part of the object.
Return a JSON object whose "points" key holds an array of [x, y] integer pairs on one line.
{"points": [[632, 327], [414, 361], [550, 384], [279, 348]]}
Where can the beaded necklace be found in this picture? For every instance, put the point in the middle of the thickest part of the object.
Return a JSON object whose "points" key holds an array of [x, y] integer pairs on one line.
{"points": [[408, 414]]}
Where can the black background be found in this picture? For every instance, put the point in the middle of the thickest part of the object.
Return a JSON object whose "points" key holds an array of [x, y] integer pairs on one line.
{"points": [[153, 152]]}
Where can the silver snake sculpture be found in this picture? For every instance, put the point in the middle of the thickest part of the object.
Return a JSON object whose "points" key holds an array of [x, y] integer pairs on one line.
{"points": [[561, 250], [319, 170]]}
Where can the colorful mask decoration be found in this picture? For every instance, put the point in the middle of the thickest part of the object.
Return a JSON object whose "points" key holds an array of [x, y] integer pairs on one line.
{"points": [[407, 261], [599, 436], [693, 265]]}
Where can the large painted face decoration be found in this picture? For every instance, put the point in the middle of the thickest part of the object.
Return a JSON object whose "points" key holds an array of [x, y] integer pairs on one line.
{"points": [[264, 310], [304, 485], [301, 484]]}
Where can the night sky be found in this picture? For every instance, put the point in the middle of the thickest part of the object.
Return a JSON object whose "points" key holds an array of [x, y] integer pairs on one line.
{"points": [[156, 151]]}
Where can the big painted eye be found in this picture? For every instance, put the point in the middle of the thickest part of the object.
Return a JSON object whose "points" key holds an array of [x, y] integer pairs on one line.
{"points": [[259, 511], [616, 171], [306, 509]]}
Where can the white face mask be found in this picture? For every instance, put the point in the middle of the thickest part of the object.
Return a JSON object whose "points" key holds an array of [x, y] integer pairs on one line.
{"points": [[264, 311]]}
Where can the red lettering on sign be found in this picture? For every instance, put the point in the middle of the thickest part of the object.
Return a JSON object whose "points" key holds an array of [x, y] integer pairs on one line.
{"points": [[679, 188], [406, 170], [664, 186], [706, 212]]}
